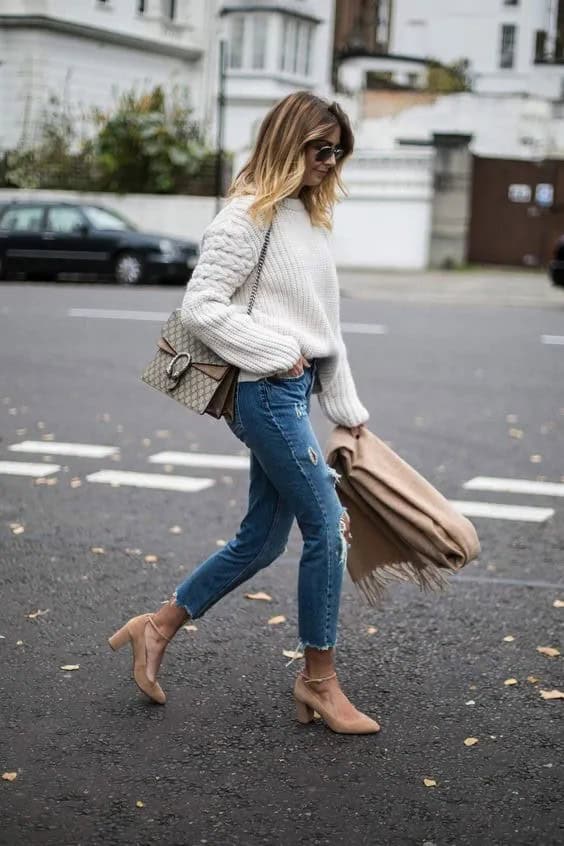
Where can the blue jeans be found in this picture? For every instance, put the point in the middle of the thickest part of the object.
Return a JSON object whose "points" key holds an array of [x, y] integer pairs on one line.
{"points": [[289, 478]]}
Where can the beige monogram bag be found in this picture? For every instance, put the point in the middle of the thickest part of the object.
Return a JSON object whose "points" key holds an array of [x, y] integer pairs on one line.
{"points": [[188, 371]]}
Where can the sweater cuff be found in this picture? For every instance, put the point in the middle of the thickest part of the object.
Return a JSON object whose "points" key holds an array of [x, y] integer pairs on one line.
{"points": [[344, 410]]}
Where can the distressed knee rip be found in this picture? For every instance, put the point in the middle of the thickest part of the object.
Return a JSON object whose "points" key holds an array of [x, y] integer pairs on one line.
{"points": [[344, 527]]}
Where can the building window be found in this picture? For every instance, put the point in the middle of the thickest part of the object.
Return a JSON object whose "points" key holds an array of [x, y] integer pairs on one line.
{"points": [[510, 2], [508, 39], [296, 46], [141, 7], [236, 41], [171, 10], [260, 31]]}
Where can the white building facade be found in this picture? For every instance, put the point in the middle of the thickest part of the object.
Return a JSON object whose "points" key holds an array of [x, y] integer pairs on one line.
{"points": [[502, 39]]}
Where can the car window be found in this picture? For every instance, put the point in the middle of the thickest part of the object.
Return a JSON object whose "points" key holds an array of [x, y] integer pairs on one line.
{"points": [[104, 219], [22, 219], [64, 219]]}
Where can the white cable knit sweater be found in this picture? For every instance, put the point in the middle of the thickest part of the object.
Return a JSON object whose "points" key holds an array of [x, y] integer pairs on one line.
{"points": [[296, 310]]}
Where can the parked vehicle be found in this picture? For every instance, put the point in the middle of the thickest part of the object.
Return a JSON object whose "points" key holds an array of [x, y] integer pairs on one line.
{"points": [[556, 266], [45, 239]]}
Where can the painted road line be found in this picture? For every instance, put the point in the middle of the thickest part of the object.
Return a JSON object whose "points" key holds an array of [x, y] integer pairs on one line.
{"points": [[162, 316], [201, 459], [26, 468], [519, 486], [150, 480], [59, 448], [499, 511], [552, 339], [118, 314], [365, 328]]}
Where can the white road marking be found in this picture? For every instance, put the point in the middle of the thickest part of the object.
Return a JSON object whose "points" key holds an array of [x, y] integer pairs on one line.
{"points": [[150, 480], [59, 448], [201, 459], [162, 317], [499, 511], [552, 339], [26, 468], [519, 486], [365, 328], [118, 314]]}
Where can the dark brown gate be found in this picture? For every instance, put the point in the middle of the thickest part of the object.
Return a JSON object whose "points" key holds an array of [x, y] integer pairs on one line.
{"points": [[514, 220]]}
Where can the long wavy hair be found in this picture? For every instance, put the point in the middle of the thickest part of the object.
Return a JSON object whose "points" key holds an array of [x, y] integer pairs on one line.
{"points": [[277, 164]]}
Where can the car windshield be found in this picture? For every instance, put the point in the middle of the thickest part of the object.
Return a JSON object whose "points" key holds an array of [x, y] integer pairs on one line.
{"points": [[103, 219]]}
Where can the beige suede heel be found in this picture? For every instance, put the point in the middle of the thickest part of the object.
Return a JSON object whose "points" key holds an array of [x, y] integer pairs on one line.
{"points": [[307, 702], [134, 632]]}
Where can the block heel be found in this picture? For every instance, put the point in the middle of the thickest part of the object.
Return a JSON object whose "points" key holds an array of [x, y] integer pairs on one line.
{"points": [[119, 639], [304, 713]]}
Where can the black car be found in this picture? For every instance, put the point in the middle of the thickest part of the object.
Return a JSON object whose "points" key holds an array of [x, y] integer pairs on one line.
{"points": [[556, 266], [45, 239]]}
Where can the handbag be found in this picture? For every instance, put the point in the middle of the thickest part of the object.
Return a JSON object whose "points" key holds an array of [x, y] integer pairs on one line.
{"points": [[188, 371]]}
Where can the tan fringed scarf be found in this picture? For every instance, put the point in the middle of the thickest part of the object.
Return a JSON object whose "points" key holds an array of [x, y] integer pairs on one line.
{"points": [[402, 527]]}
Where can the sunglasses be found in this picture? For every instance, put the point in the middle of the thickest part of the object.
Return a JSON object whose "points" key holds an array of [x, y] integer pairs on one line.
{"points": [[325, 152]]}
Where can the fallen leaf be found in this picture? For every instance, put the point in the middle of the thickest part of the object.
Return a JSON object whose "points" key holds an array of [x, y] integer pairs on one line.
{"points": [[9, 776], [220, 542], [162, 433], [471, 741], [371, 630], [98, 550], [190, 627], [509, 638], [168, 468], [512, 418], [558, 603], [429, 782], [259, 595], [535, 459], [19, 642], [549, 651], [470, 702], [48, 437], [139, 804], [37, 613], [70, 667], [132, 550], [274, 621], [510, 681], [532, 679], [17, 528], [515, 433], [75, 482], [151, 559], [289, 654], [175, 530], [551, 694]]}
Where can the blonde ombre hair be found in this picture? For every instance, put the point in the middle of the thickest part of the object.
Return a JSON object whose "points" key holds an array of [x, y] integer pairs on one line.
{"points": [[277, 164]]}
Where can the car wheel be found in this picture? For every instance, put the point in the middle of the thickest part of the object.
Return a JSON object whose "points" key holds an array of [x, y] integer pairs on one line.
{"points": [[128, 269]]}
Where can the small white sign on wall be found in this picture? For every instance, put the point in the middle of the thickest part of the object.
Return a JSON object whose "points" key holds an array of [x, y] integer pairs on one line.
{"points": [[544, 194], [519, 193]]}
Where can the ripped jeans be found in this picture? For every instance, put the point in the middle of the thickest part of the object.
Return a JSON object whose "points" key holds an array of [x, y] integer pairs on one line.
{"points": [[289, 478]]}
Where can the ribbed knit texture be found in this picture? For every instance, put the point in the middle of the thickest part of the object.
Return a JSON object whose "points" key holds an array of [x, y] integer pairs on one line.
{"points": [[296, 310]]}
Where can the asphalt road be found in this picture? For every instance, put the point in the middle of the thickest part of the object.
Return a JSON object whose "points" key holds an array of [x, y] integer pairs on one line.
{"points": [[460, 391]]}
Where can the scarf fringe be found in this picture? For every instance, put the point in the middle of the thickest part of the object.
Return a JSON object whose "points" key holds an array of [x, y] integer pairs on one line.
{"points": [[374, 585]]}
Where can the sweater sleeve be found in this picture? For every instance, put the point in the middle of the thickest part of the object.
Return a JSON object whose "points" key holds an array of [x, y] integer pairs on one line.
{"points": [[229, 253], [339, 401]]}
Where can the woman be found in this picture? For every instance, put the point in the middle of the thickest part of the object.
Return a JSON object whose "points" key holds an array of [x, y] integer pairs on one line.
{"points": [[288, 349]]}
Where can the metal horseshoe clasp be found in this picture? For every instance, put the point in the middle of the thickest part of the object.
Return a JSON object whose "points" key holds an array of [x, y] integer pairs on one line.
{"points": [[175, 370]]}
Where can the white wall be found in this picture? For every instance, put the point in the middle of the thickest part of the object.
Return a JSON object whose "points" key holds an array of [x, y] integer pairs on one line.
{"points": [[511, 126]]}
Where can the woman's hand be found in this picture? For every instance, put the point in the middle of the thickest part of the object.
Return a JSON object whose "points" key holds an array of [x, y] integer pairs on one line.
{"points": [[298, 368]]}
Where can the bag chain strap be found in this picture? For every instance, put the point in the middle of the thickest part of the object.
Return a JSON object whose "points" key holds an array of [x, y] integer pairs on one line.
{"points": [[259, 269]]}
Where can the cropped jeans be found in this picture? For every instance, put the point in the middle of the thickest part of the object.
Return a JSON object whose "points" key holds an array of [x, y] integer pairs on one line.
{"points": [[289, 478]]}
